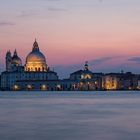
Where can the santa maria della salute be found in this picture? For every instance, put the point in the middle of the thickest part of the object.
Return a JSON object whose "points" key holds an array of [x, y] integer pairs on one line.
{"points": [[35, 61], [36, 75]]}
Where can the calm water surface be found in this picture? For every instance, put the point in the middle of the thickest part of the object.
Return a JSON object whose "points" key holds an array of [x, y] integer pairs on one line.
{"points": [[69, 115]]}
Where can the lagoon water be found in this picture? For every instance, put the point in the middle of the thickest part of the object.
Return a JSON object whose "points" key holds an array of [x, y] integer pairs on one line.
{"points": [[70, 115]]}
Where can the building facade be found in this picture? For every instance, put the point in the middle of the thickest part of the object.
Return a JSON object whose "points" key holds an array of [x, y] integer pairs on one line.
{"points": [[36, 75], [120, 81], [85, 80]]}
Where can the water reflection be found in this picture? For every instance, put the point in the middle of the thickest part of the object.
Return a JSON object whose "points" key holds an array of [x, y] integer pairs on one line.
{"points": [[69, 116]]}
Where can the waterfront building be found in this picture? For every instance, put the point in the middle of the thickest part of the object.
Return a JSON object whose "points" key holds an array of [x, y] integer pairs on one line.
{"points": [[110, 81], [138, 86], [120, 81], [32, 76], [83, 80], [36, 75]]}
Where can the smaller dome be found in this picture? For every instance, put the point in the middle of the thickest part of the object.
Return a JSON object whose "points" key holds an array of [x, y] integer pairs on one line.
{"points": [[16, 60]]}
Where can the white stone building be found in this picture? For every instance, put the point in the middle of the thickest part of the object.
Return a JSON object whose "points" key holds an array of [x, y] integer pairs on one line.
{"points": [[19, 77], [36, 75]]}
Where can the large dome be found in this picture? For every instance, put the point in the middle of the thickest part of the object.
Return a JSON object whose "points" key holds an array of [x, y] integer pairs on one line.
{"points": [[35, 60], [35, 57]]}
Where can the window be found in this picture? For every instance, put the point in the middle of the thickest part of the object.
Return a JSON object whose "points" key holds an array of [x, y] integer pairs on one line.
{"points": [[35, 69]]}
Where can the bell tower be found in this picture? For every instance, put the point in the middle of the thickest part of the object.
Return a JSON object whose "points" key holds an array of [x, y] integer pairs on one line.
{"points": [[8, 60]]}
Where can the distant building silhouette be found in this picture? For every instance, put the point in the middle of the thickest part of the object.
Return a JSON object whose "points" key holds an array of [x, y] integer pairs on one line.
{"points": [[36, 75]]}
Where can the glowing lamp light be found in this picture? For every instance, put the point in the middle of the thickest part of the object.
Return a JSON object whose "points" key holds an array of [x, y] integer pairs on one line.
{"points": [[43, 87], [29, 87], [58, 87], [82, 76], [16, 87]]}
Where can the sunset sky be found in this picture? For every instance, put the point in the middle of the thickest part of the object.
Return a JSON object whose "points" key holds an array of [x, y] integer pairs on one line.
{"points": [[69, 32]]}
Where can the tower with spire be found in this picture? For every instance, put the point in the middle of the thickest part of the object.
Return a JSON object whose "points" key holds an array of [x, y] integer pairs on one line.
{"points": [[8, 60], [15, 53], [16, 61], [12, 62]]}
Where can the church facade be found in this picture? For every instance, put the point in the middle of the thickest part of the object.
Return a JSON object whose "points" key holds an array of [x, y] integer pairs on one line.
{"points": [[34, 75]]}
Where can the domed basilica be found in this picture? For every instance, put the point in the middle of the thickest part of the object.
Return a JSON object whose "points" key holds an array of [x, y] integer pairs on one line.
{"points": [[35, 60], [36, 75]]}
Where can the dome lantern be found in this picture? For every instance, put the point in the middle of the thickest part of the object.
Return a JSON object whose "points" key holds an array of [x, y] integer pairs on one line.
{"points": [[86, 66], [35, 46]]}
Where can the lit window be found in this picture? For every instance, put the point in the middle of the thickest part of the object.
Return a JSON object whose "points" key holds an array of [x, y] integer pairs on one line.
{"points": [[87, 76]]}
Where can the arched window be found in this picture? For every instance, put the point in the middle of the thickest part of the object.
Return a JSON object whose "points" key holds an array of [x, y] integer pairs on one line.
{"points": [[35, 69], [28, 69], [39, 69]]}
